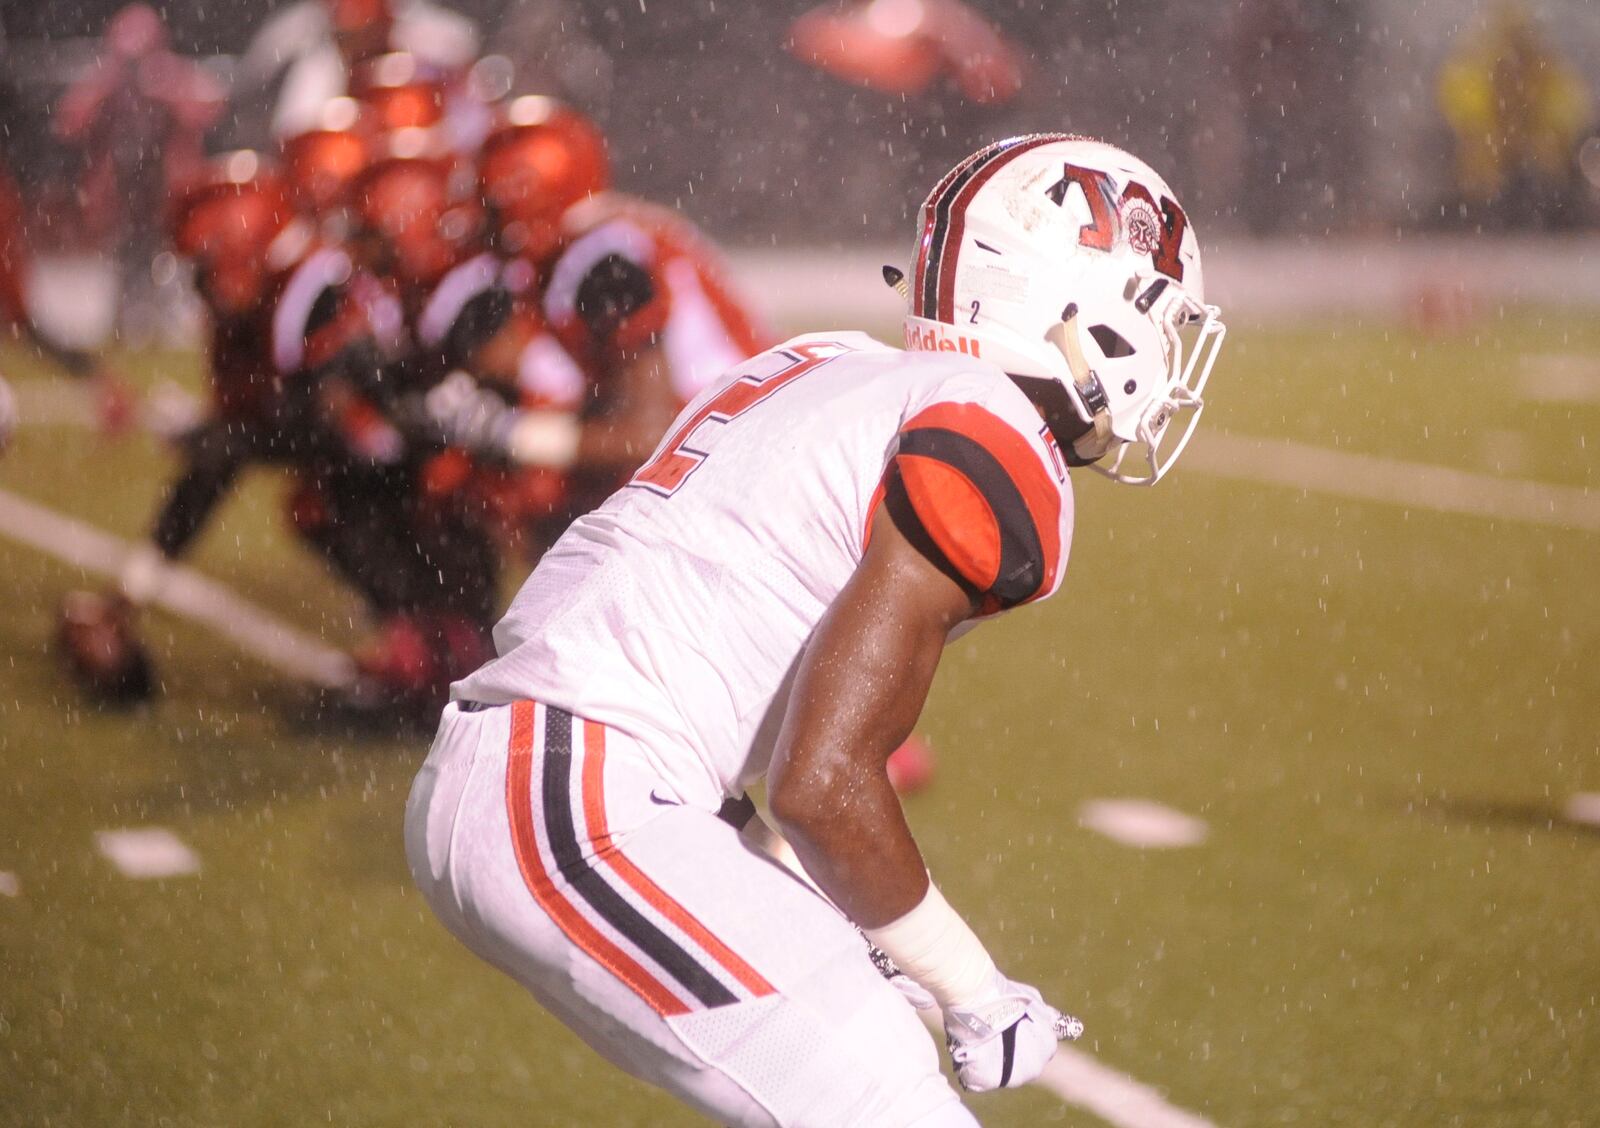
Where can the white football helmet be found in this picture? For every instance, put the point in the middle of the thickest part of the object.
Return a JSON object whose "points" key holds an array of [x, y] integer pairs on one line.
{"points": [[1069, 260]]}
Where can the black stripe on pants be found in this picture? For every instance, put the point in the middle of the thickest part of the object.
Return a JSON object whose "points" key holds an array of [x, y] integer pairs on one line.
{"points": [[593, 888]]}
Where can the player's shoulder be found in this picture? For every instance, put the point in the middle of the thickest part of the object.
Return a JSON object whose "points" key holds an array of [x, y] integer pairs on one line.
{"points": [[955, 385], [839, 341], [623, 223], [979, 481], [308, 278]]}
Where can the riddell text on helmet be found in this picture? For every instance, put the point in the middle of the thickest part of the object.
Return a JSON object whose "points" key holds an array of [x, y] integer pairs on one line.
{"points": [[928, 339]]}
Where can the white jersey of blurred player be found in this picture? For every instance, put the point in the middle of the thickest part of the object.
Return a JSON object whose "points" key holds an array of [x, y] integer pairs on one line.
{"points": [[565, 827]]}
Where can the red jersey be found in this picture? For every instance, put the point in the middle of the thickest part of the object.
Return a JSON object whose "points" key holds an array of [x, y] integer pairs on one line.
{"points": [[301, 322], [630, 273]]}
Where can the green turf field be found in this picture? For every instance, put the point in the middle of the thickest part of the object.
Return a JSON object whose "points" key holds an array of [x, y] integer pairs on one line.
{"points": [[1380, 713]]}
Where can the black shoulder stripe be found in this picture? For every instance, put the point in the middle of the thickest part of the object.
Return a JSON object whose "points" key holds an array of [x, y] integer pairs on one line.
{"points": [[1022, 563]]}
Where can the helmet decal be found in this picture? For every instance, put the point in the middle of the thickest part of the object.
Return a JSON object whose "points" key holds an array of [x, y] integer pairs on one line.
{"points": [[945, 222], [1101, 232]]}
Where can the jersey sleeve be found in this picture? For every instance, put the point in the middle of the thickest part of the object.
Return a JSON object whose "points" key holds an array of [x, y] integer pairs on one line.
{"points": [[975, 495]]}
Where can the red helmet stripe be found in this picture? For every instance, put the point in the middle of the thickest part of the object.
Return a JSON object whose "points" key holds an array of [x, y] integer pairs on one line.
{"points": [[932, 217], [943, 280]]}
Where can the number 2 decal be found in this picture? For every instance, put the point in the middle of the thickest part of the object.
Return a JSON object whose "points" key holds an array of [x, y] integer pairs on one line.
{"points": [[670, 468], [1155, 231]]}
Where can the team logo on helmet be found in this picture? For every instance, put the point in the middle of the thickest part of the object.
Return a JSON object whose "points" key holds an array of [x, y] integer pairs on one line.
{"points": [[1142, 224]]}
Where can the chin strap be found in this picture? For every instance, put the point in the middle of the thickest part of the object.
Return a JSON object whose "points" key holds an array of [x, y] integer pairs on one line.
{"points": [[1095, 442]]}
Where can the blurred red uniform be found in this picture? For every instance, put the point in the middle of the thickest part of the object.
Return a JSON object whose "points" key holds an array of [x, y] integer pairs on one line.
{"points": [[13, 252], [620, 312]]}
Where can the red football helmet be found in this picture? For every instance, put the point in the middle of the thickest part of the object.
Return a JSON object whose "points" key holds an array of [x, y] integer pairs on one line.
{"points": [[395, 91], [361, 28], [542, 160], [408, 225], [225, 222], [320, 166]]}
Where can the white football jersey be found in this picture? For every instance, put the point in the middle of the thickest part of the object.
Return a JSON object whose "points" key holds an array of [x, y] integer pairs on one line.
{"points": [[677, 611]]}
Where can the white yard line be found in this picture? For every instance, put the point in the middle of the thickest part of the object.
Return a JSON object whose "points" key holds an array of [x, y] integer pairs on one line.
{"points": [[251, 628], [1391, 481], [1114, 1097], [1584, 808], [1142, 823], [165, 410], [1560, 378], [147, 852]]}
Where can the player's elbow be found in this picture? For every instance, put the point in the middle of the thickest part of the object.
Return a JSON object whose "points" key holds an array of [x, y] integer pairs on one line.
{"points": [[806, 800], [793, 810]]}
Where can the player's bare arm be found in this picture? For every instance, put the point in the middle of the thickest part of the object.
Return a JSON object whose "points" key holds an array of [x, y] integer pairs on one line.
{"points": [[861, 686], [862, 683]]}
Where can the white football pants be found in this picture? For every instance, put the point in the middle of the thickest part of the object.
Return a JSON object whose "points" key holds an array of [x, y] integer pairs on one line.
{"points": [[549, 846]]}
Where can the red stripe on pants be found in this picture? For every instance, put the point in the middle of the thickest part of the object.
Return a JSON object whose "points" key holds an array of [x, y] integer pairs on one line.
{"points": [[524, 840], [594, 813]]}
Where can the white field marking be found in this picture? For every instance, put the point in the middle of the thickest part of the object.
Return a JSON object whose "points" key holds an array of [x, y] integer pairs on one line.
{"points": [[147, 852], [166, 410], [9, 885], [1394, 482], [1560, 378], [1584, 808], [1114, 1097], [186, 592], [1142, 823]]}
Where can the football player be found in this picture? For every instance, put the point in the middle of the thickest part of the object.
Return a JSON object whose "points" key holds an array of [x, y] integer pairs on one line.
{"points": [[411, 231], [16, 318], [270, 290], [626, 312], [768, 597]]}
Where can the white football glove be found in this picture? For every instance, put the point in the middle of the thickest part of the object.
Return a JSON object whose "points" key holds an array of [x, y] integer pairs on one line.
{"points": [[467, 415], [1006, 1039]]}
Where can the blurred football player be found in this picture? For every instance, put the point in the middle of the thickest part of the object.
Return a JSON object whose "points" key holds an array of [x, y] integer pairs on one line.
{"points": [[409, 229], [270, 290], [139, 116], [321, 165], [399, 90], [306, 53], [769, 596], [624, 313], [17, 318], [901, 46]]}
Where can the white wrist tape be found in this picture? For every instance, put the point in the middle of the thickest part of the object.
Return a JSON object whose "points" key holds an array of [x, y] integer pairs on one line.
{"points": [[544, 438], [144, 574], [934, 946]]}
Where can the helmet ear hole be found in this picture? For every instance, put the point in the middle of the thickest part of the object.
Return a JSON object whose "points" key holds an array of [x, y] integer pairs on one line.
{"points": [[1112, 343]]}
